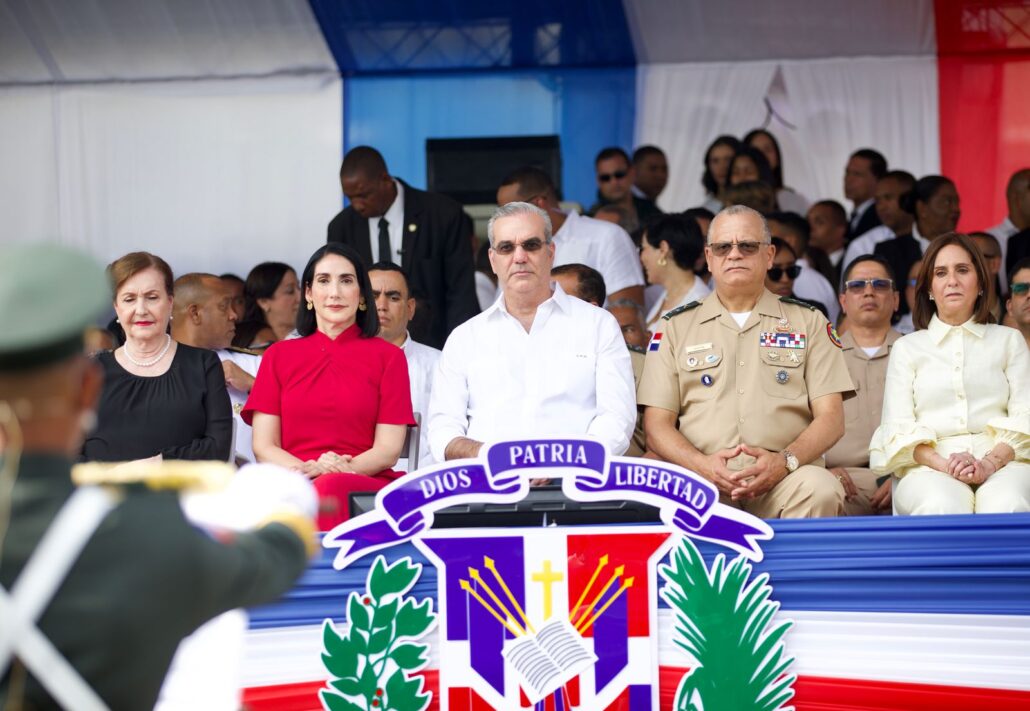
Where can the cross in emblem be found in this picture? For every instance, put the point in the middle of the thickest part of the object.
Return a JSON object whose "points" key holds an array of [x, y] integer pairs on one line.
{"points": [[547, 578]]}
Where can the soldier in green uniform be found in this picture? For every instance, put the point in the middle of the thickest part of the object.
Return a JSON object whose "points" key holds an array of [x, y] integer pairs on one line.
{"points": [[746, 388], [98, 584]]}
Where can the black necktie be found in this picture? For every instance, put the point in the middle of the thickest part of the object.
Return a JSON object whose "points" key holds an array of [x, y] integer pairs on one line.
{"points": [[384, 241]]}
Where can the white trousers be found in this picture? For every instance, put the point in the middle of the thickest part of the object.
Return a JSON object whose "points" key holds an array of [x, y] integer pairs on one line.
{"points": [[926, 491]]}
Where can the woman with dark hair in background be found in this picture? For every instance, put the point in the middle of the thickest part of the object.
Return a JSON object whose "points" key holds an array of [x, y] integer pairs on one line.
{"points": [[956, 410], [717, 167], [161, 399], [669, 250], [934, 203], [789, 199], [749, 165], [271, 298], [780, 278], [335, 403]]}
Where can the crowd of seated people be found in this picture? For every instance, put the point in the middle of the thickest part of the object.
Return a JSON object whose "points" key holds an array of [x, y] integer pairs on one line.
{"points": [[782, 372]]}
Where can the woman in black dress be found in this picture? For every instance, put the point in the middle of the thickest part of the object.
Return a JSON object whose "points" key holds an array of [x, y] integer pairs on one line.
{"points": [[161, 399]]}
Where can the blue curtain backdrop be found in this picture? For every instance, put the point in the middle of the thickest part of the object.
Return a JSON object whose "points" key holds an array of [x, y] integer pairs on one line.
{"points": [[587, 108]]}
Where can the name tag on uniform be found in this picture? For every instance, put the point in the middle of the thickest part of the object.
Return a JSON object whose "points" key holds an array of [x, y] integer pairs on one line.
{"points": [[782, 340], [698, 347]]}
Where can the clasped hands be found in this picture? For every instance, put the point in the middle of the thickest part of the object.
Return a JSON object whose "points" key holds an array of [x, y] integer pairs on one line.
{"points": [[752, 481], [967, 468], [328, 463]]}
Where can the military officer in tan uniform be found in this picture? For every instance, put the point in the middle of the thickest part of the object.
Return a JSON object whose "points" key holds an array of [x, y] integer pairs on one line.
{"points": [[746, 388], [869, 297]]}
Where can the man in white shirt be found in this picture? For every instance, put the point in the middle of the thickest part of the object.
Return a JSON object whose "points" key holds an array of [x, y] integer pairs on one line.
{"points": [[1017, 196], [203, 317], [580, 240], [810, 284], [538, 362], [894, 220], [395, 306]]}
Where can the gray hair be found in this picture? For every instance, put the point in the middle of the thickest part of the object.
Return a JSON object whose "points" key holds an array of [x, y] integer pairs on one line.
{"points": [[627, 303], [735, 210], [518, 208]]}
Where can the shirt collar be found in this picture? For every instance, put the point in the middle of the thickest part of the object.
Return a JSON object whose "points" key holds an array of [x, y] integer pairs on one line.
{"points": [[395, 214], [558, 297], [847, 343], [352, 333], [768, 305], [938, 329]]}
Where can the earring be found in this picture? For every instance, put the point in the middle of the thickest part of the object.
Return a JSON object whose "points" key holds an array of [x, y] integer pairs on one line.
{"points": [[662, 261], [310, 306], [361, 305], [931, 297]]}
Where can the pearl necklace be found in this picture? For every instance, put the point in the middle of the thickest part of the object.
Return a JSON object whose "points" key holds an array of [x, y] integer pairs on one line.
{"points": [[148, 363]]}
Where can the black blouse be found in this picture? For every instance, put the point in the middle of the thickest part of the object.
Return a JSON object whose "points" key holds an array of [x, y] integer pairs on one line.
{"points": [[182, 414]]}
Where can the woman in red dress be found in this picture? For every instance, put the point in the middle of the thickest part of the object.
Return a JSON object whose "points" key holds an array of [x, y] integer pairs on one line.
{"points": [[334, 404]]}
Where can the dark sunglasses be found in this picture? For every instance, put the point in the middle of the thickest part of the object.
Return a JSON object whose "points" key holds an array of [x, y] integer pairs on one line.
{"points": [[1020, 287], [618, 175], [857, 286], [533, 244], [776, 273], [748, 249]]}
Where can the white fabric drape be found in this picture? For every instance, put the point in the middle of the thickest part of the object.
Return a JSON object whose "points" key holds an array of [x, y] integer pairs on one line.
{"points": [[212, 175], [836, 105]]}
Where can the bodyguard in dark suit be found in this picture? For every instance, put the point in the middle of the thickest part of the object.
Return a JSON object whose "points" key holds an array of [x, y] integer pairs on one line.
{"points": [[421, 231], [126, 576], [865, 167]]}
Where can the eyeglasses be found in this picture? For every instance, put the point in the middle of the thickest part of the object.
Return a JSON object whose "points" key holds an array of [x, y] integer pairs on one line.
{"points": [[776, 273], [1020, 288], [748, 249], [857, 286], [618, 175], [533, 244]]}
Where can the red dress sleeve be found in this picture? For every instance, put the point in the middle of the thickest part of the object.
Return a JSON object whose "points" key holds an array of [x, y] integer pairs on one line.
{"points": [[394, 392], [266, 394]]}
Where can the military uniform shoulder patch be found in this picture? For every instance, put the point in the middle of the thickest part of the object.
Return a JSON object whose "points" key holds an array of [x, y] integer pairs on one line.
{"points": [[680, 309], [172, 475], [635, 349], [832, 333], [797, 302]]}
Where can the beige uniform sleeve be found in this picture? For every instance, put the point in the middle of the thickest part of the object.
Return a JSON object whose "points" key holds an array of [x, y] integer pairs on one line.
{"points": [[826, 371], [660, 381]]}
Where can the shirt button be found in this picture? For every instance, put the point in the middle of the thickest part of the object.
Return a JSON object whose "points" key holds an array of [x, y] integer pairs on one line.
{"points": [[742, 362], [741, 419], [957, 368], [961, 396], [741, 392]]}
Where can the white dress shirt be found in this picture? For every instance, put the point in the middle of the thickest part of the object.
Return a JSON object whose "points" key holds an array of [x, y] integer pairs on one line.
{"points": [[697, 292], [486, 290], [957, 388], [860, 212], [602, 245], [422, 361], [1002, 232], [249, 363], [810, 284], [790, 200], [569, 375], [395, 217], [865, 243]]}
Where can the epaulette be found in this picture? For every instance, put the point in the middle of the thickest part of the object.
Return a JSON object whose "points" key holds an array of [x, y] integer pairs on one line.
{"points": [[680, 309], [174, 475], [798, 302], [245, 351], [636, 349]]}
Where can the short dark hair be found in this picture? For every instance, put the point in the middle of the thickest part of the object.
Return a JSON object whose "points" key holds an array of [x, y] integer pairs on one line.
{"points": [[532, 181], [756, 194], [879, 259], [363, 161], [902, 176], [923, 191], [924, 309], [795, 223], [707, 179], [682, 234], [840, 215], [392, 267], [367, 320], [698, 213], [644, 151], [877, 163], [765, 173], [590, 282], [262, 281], [229, 276], [780, 243], [1023, 263], [612, 152], [777, 171]]}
